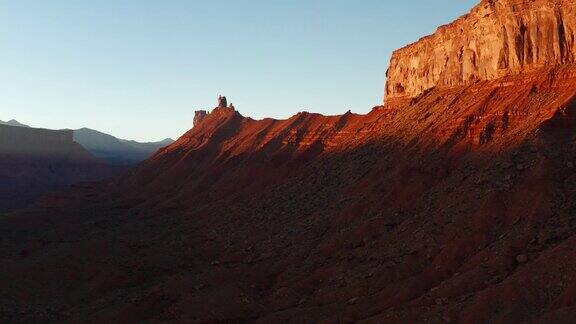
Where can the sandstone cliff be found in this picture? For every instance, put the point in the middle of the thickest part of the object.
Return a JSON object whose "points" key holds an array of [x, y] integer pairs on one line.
{"points": [[497, 38]]}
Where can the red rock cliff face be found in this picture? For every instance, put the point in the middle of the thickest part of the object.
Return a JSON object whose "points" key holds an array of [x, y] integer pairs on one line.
{"points": [[497, 38]]}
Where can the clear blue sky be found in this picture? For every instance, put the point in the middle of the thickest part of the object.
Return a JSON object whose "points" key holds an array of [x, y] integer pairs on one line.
{"points": [[138, 69]]}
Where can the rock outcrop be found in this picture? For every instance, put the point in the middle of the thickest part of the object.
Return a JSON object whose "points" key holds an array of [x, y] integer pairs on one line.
{"points": [[222, 102], [223, 107], [199, 115], [497, 38]]}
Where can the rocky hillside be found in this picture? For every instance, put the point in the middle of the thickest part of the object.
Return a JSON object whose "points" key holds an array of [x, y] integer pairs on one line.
{"points": [[450, 203]]}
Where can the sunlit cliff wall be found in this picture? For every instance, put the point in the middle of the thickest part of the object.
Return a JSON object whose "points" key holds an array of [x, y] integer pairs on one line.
{"points": [[497, 38]]}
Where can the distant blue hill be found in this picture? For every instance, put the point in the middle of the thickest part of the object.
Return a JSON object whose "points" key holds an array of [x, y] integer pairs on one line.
{"points": [[13, 122], [114, 150], [108, 148]]}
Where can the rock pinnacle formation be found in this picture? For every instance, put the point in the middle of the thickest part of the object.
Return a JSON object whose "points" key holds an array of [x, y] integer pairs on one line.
{"points": [[199, 115], [222, 102]]}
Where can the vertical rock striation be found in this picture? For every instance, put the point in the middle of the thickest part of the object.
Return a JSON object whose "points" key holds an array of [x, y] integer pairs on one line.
{"points": [[497, 38]]}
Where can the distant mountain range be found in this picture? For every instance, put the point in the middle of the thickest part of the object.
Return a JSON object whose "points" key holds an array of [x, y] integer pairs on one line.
{"points": [[34, 161], [114, 150], [108, 148], [13, 122]]}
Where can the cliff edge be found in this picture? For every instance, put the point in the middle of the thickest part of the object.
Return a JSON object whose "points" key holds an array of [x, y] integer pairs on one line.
{"points": [[497, 38]]}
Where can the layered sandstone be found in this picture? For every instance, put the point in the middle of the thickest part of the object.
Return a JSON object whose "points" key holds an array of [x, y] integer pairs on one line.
{"points": [[497, 38]]}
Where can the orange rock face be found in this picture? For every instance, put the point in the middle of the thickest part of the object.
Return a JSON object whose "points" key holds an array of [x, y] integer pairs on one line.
{"points": [[497, 38]]}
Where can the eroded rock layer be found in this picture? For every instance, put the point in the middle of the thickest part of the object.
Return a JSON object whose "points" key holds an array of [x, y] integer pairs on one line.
{"points": [[497, 38]]}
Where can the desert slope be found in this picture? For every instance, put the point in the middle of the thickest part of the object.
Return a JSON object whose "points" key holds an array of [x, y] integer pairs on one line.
{"points": [[455, 204]]}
